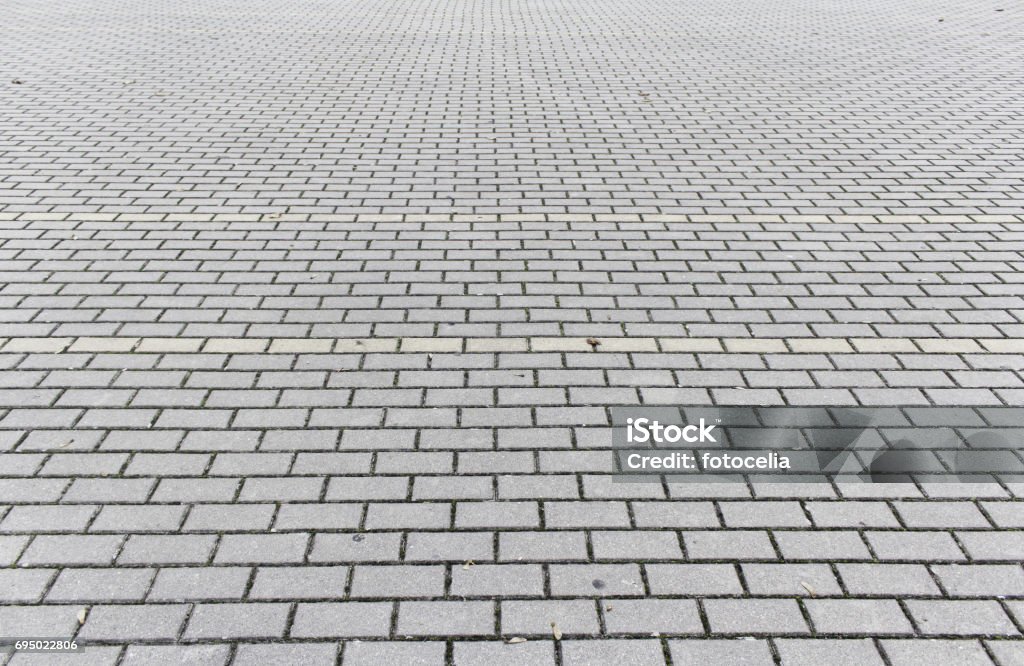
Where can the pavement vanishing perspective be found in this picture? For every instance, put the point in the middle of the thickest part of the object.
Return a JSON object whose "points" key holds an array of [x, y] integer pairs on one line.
{"points": [[312, 314]]}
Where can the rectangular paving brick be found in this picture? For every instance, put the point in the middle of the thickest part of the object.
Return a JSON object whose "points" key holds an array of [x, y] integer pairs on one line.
{"points": [[261, 548], [595, 580], [26, 585], [961, 618], [154, 622], [98, 585], [309, 582], [778, 617], [237, 620], [404, 581], [857, 616], [446, 618], [350, 619], [200, 584]]}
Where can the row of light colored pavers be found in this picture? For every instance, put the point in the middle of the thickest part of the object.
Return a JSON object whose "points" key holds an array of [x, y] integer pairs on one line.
{"points": [[624, 218], [203, 383], [438, 345]]}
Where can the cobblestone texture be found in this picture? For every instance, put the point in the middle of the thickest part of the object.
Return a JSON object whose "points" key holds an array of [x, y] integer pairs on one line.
{"points": [[507, 106], [312, 314]]}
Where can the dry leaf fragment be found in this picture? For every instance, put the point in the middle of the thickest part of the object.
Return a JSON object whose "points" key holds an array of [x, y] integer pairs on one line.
{"points": [[810, 588], [467, 564], [516, 639], [593, 342], [82, 614], [556, 631]]}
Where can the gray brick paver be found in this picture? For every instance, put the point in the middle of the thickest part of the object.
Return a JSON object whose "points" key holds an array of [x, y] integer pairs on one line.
{"points": [[237, 620], [153, 622], [168, 655]]}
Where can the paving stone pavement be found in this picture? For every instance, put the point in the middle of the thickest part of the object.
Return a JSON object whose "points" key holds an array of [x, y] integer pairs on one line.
{"points": [[313, 313], [510, 106]]}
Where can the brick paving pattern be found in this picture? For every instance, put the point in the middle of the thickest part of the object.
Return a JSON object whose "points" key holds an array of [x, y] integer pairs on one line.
{"points": [[313, 313]]}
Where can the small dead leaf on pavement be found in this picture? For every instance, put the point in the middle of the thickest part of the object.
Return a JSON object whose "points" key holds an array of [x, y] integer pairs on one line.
{"points": [[467, 564], [516, 639], [82, 614], [556, 631], [593, 342], [810, 588], [17, 82]]}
